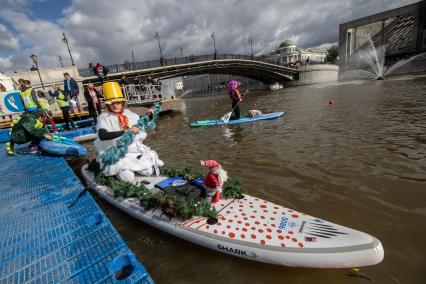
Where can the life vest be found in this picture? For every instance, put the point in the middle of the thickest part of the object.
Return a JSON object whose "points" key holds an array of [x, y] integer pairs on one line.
{"points": [[38, 124], [44, 103], [29, 103], [62, 100]]}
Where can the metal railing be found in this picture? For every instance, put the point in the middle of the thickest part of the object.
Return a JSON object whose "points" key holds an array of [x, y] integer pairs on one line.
{"points": [[140, 93], [116, 68]]}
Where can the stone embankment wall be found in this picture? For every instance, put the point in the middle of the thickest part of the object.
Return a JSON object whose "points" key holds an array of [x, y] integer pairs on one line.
{"points": [[319, 73]]}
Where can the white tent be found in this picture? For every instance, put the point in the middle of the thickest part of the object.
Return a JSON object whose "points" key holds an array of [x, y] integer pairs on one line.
{"points": [[6, 82]]}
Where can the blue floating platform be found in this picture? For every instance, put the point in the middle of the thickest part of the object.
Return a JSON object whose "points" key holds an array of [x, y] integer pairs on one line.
{"points": [[44, 240]]}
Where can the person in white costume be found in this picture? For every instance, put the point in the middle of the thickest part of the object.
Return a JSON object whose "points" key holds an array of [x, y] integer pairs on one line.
{"points": [[111, 125]]}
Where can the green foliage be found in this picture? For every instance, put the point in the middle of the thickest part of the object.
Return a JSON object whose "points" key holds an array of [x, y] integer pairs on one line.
{"points": [[233, 188], [172, 206], [332, 54], [123, 189], [187, 173], [204, 208]]}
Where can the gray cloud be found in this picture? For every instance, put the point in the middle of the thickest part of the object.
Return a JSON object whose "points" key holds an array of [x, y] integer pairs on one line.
{"points": [[7, 41], [107, 31]]}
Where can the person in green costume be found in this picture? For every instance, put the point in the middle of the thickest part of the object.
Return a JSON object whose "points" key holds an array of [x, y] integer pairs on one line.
{"points": [[30, 128]]}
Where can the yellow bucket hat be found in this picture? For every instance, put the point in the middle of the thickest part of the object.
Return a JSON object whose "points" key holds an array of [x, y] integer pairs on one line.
{"points": [[112, 93]]}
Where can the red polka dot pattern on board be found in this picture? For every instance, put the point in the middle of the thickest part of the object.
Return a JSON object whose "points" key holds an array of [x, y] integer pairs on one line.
{"points": [[253, 220]]}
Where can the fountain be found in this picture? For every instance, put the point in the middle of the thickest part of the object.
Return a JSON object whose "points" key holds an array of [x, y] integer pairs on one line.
{"points": [[371, 60]]}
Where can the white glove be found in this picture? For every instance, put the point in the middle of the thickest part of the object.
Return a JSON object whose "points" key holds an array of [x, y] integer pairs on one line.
{"points": [[218, 189]]}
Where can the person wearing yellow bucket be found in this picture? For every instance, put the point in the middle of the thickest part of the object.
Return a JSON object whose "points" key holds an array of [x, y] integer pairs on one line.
{"points": [[111, 125]]}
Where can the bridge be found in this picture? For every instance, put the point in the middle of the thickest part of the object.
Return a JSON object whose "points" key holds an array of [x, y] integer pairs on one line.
{"points": [[231, 64]]}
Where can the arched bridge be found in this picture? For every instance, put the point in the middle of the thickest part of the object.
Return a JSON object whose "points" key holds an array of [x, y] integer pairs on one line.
{"points": [[258, 70]]}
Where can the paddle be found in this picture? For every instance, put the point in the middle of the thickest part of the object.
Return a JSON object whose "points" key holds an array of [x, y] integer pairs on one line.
{"points": [[227, 116]]}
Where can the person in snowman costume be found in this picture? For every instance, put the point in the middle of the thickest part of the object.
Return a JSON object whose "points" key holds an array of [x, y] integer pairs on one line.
{"points": [[111, 125]]}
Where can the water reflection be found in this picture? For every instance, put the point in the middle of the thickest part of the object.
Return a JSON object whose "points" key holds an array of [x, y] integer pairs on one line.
{"points": [[234, 134]]}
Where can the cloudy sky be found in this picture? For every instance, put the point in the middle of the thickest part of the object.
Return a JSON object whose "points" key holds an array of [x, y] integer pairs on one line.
{"points": [[108, 30]]}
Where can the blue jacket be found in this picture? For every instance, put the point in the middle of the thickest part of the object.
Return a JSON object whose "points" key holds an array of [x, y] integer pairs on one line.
{"points": [[73, 90]]}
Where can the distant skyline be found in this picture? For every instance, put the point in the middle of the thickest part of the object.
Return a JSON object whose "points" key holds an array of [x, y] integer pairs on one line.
{"points": [[107, 31]]}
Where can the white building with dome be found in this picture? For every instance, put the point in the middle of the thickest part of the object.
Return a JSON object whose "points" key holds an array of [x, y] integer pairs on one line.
{"points": [[288, 54]]}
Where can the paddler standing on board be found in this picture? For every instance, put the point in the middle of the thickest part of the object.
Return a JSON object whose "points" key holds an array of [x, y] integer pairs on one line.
{"points": [[111, 125], [236, 97]]}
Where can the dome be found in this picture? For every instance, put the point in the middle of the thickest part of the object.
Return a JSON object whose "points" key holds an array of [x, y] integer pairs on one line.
{"points": [[287, 43]]}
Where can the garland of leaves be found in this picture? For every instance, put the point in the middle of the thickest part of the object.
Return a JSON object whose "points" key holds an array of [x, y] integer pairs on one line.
{"points": [[172, 206]]}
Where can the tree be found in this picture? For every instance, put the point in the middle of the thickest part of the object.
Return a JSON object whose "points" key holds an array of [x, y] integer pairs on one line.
{"points": [[332, 54]]}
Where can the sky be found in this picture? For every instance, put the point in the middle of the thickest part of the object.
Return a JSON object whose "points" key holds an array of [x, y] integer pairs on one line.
{"points": [[107, 31]]}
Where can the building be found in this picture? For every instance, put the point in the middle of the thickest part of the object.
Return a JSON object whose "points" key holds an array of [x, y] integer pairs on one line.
{"points": [[289, 54], [402, 32]]}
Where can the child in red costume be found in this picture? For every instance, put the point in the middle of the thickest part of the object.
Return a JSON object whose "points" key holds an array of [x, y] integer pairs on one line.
{"points": [[214, 180]]}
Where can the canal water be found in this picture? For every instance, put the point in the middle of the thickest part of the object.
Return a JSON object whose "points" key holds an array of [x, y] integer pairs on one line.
{"points": [[360, 162]]}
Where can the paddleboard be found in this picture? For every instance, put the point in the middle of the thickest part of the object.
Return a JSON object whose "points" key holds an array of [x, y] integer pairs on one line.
{"points": [[258, 230], [213, 122], [61, 146], [78, 135]]}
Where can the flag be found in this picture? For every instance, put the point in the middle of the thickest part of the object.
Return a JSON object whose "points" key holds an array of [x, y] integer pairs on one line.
{"points": [[212, 35]]}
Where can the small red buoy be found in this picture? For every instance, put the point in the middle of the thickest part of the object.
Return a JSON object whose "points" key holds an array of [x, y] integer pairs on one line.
{"points": [[331, 102]]}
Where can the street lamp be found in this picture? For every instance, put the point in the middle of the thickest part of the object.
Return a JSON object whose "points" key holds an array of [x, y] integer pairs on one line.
{"points": [[60, 61], [181, 55], [251, 47], [65, 39], [159, 46], [34, 59], [214, 46], [133, 59]]}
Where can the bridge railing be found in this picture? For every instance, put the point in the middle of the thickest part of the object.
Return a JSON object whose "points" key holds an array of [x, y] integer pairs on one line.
{"points": [[140, 93], [128, 66]]}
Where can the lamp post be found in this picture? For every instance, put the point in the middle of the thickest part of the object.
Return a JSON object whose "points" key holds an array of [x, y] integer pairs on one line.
{"points": [[159, 46], [214, 46], [65, 39], [181, 55], [60, 61], [34, 59], [133, 59], [251, 47]]}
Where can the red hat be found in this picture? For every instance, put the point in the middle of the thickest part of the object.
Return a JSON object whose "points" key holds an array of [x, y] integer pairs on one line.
{"points": [[210, 163]]}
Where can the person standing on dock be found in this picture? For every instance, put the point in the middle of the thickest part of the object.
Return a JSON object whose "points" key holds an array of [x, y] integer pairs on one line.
{"points": [[29, 96], [93, 101], [63, 104], [71, 89]]}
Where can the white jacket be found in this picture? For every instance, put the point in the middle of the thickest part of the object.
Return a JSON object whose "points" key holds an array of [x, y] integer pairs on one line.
{"points": [[140, 158]]}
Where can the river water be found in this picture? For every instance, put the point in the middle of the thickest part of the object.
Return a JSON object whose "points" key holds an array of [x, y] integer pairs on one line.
{"points": [[360, 163]]}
